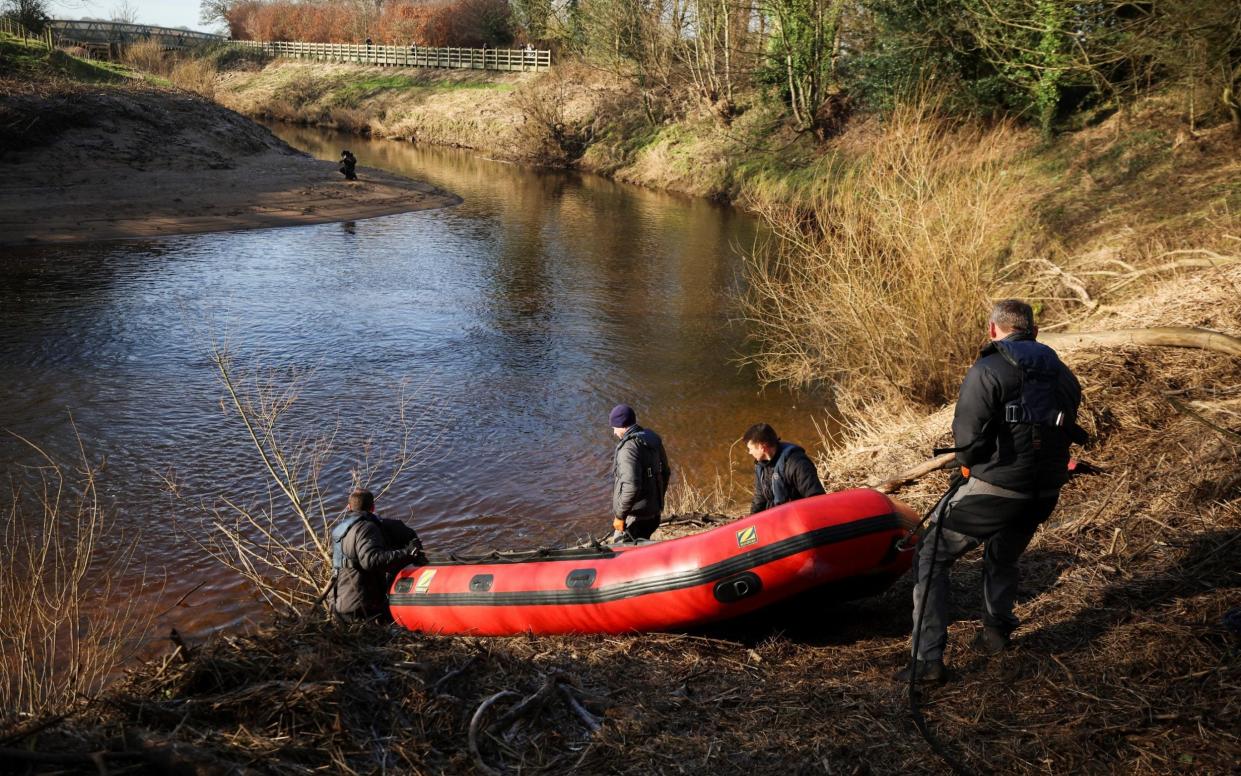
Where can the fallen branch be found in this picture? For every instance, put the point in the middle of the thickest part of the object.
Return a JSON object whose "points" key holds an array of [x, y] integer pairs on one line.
{"points": [[1162, 336], [593, 723], [1188, 411], [476, 722], [30, 728], [892, 484], [1212, 259], [529, 703], [1052, 270]]}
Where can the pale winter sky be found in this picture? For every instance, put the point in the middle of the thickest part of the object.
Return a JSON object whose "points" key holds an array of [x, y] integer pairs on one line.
{"points": [[161, 13]]}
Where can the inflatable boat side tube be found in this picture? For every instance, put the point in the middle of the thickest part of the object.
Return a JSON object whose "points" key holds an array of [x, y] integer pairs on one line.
{"points": [[705, 575]]}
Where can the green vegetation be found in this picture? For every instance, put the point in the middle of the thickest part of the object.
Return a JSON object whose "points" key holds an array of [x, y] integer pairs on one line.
{"points": [[24, 59]]}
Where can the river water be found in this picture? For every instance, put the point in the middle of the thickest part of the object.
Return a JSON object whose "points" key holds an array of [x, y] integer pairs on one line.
{"points": [[511, 324]]}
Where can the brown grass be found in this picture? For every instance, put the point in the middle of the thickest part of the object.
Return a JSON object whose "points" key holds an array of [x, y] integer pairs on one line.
{"points": [[194, 75], [147, 56], [880, 284]]}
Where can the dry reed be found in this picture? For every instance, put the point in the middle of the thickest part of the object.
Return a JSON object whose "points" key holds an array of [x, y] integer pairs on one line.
{"points": [[881, 284], [721, 495], [195, 75], [147, 56]]}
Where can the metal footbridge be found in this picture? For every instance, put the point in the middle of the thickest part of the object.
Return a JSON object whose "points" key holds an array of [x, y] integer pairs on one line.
{"points": [[91, 34]]}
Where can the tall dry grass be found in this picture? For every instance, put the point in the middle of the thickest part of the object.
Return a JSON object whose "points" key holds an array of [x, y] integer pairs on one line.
{"points": [[147, 56], [721, 495], [879, 283], [68, 619], [195, 75]]}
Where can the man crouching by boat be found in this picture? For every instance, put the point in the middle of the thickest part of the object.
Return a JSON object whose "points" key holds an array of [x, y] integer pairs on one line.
{"points": [[367, 551], [640, 475], [782, 470]]}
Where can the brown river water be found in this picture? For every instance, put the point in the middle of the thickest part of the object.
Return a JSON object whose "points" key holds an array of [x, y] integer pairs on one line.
{"points": [[514, 320]]}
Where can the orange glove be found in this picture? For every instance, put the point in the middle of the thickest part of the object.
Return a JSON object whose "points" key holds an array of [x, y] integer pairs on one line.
{"points": [[619, 525]]}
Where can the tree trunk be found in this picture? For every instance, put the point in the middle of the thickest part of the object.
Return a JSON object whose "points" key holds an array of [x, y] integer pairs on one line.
{"points": [[1164, 336]]}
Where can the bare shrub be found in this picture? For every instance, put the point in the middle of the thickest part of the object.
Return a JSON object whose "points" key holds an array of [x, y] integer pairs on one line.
{"points": [[882, 283], [195, 75], [67, 620], [280, 541], [351, 120], [549, 132], [147, 56], [300, 90]]}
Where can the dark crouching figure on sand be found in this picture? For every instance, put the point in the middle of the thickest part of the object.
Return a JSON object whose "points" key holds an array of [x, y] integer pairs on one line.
{"points": [[640, 476], [782, 470], [348, 165], [1015, 418], [367, 551]]}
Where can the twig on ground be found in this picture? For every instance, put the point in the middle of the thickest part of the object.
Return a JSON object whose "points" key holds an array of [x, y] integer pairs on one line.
{"points": [[453, 674], [476, 723], [1190, 412], [592, 722]]}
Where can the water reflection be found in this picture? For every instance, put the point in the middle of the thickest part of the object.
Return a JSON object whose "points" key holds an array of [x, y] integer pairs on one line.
{"points": [[515, 319]]}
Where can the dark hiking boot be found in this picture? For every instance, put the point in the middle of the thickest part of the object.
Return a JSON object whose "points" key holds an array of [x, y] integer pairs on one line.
{"points": [[992, 641], [929, 672]]}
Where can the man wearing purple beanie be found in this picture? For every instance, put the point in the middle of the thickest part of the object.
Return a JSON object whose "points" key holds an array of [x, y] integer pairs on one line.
{"points": [[640, 475]]}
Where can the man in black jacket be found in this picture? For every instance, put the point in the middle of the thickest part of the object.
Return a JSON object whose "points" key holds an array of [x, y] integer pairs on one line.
{"points": [[1015, 418], [348, 165], [366, 551], [782, 470], [640, 476]]}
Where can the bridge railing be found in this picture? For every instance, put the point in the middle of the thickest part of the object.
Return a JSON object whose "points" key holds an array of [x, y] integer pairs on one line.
{"points": [[408, 56], [91, 31]]}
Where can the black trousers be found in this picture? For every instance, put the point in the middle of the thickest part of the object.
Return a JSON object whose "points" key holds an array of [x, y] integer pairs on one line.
{"points": [[1006, 525]]}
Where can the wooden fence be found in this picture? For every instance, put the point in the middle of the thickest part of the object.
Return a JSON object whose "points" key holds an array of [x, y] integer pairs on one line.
{"points": [[408, 56], [10, 27]]}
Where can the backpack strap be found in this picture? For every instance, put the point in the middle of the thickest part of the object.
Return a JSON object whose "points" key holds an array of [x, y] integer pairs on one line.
{"points": [[339, 559]]}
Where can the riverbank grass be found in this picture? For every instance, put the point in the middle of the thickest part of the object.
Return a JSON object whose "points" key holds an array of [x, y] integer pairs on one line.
{"points": [[25, 59]]}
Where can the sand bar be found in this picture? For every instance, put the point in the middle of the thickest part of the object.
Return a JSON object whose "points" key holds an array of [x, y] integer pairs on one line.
{"points": [[105, 164]]}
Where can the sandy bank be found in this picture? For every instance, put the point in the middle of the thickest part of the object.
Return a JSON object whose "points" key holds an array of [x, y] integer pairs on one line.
{"points": [[272, 190], [109, 163]]}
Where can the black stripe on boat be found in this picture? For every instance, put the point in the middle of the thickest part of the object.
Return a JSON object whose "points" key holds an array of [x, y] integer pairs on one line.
{"points": [[661, 584]]}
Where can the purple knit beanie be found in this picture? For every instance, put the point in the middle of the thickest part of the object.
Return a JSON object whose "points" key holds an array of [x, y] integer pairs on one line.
{"points": [[622, 416]]}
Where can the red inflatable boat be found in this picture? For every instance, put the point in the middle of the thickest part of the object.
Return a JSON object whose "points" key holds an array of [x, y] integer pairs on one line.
{"points": [[659, 586]]}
